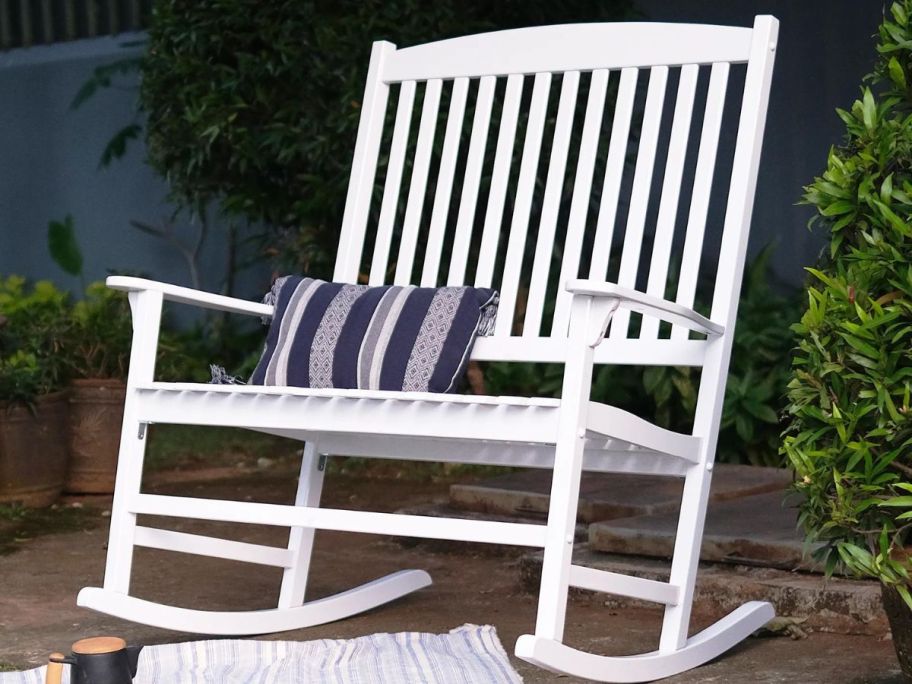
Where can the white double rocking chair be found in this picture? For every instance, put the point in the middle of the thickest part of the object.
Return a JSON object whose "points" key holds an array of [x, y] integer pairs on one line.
{"points": [[591, 321]]}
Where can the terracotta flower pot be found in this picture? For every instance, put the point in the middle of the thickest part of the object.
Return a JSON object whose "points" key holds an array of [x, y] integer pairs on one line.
{"points": [[96, 414], [900, 617], [33, 451]]}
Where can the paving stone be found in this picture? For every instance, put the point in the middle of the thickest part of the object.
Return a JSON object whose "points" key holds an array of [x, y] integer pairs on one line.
{"points": [[836, 605], [757, 530], [605, 496]]}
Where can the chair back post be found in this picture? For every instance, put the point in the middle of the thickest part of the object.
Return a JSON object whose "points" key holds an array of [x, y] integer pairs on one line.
{"points": [[725, 309]]}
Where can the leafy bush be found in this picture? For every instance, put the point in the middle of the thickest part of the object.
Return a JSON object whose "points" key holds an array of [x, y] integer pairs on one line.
{"points": [[33, 328], [255, 105], [101, 332], [849, 397]]}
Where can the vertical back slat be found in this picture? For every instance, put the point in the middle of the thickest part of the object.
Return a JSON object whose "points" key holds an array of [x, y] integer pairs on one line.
{"points": [[525, 187], [579, 204], [500, 176], [544, 249], [444, 182], [364, 166], [393, 181], [614, 173], [466, 218], [418, 184], [639, 195], [671, 192], [699, 201]]}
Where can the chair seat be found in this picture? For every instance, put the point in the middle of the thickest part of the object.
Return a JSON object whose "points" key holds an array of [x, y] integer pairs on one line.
{"points": [[400, 424]]}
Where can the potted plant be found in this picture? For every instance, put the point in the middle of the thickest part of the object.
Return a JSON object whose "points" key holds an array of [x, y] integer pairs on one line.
{"points": [[33, 453], [849, 434], [98, 352]]}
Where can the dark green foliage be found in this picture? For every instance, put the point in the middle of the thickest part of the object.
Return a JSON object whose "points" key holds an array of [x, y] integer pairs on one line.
{"points": [[63, 246], [255, 105], [98, 345], [33, 329], [850, 432]]}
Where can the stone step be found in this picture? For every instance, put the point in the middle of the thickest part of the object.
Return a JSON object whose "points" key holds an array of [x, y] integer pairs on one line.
{"points": [[837, 605], [754, 530], [605, 496]]}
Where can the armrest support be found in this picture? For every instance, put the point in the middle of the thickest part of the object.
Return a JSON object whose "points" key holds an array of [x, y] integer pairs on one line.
{"points": [[186, 295], [646, 304]]}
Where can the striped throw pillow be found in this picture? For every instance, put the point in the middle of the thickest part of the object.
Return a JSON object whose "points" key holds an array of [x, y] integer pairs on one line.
{"points": [[415, 339]]}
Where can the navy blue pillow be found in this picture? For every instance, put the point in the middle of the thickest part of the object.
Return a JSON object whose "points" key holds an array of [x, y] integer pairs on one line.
{"points": [[415, 339]]}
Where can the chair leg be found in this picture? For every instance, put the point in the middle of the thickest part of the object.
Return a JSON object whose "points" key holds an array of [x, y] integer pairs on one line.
{"points": [[565, 484], [300, 539], [119, 562], [685, 561]]}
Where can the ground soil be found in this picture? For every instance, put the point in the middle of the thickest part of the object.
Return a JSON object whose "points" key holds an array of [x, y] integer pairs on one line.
{"points": [[40, 578]]}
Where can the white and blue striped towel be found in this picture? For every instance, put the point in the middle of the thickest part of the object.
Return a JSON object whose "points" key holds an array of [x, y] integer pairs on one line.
{"points": [[470, 654]]}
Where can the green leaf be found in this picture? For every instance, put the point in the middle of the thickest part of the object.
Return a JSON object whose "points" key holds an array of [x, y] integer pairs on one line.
{"points": [[63, 246], [897, 75], [869, 110]]}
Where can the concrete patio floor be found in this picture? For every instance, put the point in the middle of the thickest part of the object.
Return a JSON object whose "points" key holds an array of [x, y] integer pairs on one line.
{"points": [[39, 582]]}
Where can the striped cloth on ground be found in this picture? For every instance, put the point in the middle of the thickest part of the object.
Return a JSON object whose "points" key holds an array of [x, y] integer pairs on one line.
{"points": [[470, 654], [401, 338]]}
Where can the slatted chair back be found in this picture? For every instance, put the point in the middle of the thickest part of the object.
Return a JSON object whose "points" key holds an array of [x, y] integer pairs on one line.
{"points": [[523, 159]]}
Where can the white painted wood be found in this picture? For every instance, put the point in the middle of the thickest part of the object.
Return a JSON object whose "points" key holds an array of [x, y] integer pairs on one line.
{"points": [[544, 248], [329, 609], [390, 201], [568, 463], [579, 204], [699, 201], [671, 191], [613, 422], [519, 226], [619, 584], [639, 195], [146, 310], [464, 223], [570, 47], [614, 173], [725, 307], [647, 667], [364, 167], [301, 539], [601, 455], [445, 176], [503, 158], [616, 352], [185, 295], [418, 184], [634, 300], [369, 522], [199, 545]]}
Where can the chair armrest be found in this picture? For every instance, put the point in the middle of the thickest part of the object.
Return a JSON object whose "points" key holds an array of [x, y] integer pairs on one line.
{"points": [[186, 295], [646, 304]]}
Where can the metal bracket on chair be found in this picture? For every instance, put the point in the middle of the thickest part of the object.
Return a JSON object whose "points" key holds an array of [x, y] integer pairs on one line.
{"points": [[141, 433], [321, 462]]}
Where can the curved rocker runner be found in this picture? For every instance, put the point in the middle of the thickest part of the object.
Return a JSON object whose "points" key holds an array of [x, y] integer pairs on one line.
{"points": [[588, 320]]}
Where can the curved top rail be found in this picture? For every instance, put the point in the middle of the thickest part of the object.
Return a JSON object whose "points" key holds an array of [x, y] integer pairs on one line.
{"points": [[570, 47]]}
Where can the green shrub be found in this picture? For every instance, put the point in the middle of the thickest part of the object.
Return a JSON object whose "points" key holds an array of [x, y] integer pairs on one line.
{"points": [[849, 432], [99, 342], [34, 325], [255, 105]]}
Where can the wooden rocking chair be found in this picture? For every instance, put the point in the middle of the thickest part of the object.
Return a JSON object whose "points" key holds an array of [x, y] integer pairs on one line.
{"points": [[590, 324]]}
